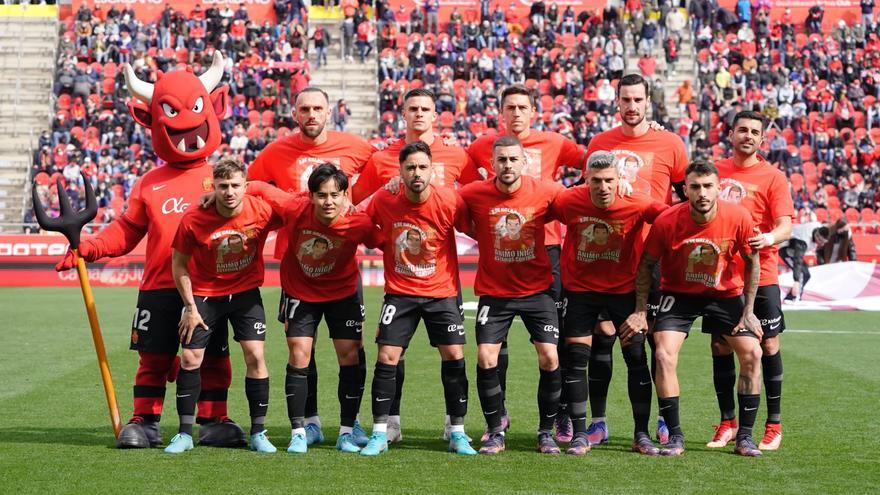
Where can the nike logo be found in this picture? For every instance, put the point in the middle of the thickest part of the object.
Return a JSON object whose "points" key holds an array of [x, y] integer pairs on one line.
{"points": [[751, 408], [771, 398], [359, 330], [774, 327], [573, 381], [379, 399], [645, 383], [182, 396], [290, 395], [490, 412], [550, 415], [665, 407], [350, 397], [160, 186], [462, 400], [262, 405], [461, 332], [261, 332], [223, 349]]}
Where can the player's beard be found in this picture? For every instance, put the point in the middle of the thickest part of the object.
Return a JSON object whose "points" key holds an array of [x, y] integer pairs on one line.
{"points": [[310, 134], [703, 207], [641, 118]]}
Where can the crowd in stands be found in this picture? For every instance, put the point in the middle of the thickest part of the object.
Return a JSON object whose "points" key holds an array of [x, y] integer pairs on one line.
{"points": [[92, 130]]}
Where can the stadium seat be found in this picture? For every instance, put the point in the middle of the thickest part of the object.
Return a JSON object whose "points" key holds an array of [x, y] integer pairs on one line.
{"points": [[254, 117], [868, 215], [852, 215], [821, 214], [268, 118], [797, 182], [64, 102], [833, 202]]}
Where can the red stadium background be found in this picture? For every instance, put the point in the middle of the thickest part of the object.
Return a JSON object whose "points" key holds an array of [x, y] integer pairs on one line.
{"points": [[150, 10]]}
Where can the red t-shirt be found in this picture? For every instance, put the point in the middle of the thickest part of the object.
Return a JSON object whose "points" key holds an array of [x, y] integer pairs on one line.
{"points": [[289, 162], [763, 190], [701, 258], [227, 253], [157, 202], [651, 162], [450, 166], [546, 153], [321, 264], [419, 241], [602, 247], [510, 235]]}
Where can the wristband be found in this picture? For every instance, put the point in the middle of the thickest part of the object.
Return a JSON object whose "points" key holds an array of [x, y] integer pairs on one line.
{"points": [[769, 238]]}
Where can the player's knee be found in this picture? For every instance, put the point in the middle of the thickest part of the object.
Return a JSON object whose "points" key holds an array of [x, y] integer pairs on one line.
{"points": [[253, 358], [548, 359], [634, 355], [487, 357], [604, 328], [770, 345], [299, 357], [719, 346], [191, 359], [389, 355], [451, 352], [578, 356], [666, 360], [347, 355], [750, 359]]}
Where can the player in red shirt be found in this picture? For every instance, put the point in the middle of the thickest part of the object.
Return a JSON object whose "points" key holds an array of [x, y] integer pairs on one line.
{"points": [[747, 179], [217, 264], [546, 153], [288, 163], [698, 244], [421, 283], [184, 132], [319, 276], [604, 236], [514, 277], [650, 160]]}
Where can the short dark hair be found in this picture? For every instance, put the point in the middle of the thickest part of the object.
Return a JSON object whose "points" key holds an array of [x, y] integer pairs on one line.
{"points": [[633, 80], [413, 93], [505, 141], [517, 89], [750, 115], [225, 168], [325, 172], [413, 148], [701, 168], [311, 89], [601, 226], [321, 240]]}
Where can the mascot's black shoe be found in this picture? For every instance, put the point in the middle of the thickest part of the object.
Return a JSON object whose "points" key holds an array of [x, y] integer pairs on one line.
{"points": [[139, 434], [223, 433]]}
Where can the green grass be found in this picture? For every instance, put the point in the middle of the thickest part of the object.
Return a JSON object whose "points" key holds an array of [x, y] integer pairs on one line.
{"points": [[55, 435]]}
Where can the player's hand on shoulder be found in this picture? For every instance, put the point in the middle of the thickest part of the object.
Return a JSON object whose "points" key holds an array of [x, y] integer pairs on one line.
{"points": [[657, 126], [760, 241], [207, 200], [393, 185], [189, 320], [624, 189]]}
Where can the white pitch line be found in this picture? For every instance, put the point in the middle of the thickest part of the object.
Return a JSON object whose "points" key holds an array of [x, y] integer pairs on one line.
{"points": [[787, 330]]}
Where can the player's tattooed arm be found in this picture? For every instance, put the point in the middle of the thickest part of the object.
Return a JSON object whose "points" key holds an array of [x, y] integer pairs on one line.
{"points": [[190, 318], [638, 321], [749, 322]]}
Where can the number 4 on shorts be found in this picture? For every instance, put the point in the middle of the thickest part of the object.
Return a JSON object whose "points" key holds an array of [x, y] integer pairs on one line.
{"points": [[483, 315]]}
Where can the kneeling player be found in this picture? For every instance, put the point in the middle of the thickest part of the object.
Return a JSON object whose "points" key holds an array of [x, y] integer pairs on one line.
{"points": [[697, 244], [601, 252], [319, 275], [217, 265]]}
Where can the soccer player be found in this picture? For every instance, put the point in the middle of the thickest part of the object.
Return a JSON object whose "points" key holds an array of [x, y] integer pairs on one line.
{"points": [[546, 153], [605, 236], [319, 276], [651, 160], [217, 264], [420, 288], [679, 235], [288, 163], [514, 280], [763, 190]]}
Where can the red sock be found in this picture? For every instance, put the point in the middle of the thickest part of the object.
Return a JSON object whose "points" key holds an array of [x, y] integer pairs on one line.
{"points": [[216, 379], [149, 384]]}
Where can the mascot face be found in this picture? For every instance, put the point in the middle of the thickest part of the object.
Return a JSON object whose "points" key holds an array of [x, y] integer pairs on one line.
{"points": [[182, 111]]}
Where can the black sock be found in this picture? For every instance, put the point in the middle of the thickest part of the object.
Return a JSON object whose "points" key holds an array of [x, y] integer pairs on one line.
{"points": [[296, 388], [653, 362], [562, 352], [575, 384], [455, 390], [601, 366], [399, 375], [489, 390], [549, 390], [638, 383], [189, 384], [748, 411], [257, 392], [503, 361], [384, 378], [362, 366], [312, 397], [772, 370], [669, 411], [724, 376], [349, 393]]}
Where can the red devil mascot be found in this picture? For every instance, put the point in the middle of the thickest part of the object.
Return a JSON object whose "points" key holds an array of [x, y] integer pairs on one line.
{"points": [[183, 112]]}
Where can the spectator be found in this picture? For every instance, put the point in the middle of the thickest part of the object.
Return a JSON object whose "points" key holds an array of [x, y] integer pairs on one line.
{"points": [[341, 114]]}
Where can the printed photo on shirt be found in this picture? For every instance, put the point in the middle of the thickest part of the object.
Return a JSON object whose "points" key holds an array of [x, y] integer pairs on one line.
{"points": [[514, 235], [732, 191], [316, 253], [305, 165], [703, 263], [630, 164], [598, 240], [532, 167], [412, 254], [231, 248]]}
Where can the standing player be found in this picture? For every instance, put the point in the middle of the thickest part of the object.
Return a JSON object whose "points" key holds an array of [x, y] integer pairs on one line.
{"points": [[450, 164], [514, 279], [546, 153], [217, 262], [178, 100], [605, 236], [763, 190], [679, 235], [319, 276], [288, 163], [651, 160], [421, 287]]}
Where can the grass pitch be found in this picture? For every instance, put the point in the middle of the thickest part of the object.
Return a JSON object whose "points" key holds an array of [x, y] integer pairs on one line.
{"points": [[55, 435]]}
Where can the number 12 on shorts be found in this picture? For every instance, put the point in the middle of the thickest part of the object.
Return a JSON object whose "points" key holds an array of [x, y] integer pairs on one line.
{"points": [[483, 315]]}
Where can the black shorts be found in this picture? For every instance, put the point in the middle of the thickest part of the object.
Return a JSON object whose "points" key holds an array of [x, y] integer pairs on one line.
{"points": [[538, 313], [584, 309], [154, 325], [553, 252], [720, 315], [400, 317], [345, 317], [243, 309], [768, 309]]}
